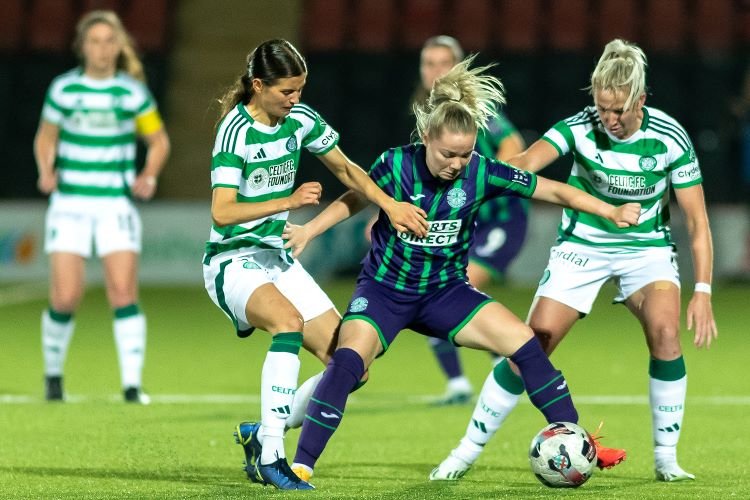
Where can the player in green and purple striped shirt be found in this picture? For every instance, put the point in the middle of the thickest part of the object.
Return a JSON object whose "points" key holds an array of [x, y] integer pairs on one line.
{"points": [[501, 221], [85, 151], [419, 282]]}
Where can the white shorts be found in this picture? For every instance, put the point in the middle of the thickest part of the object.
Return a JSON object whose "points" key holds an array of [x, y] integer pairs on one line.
{"points": [[82, 226], [231, 280], [575, 273]]}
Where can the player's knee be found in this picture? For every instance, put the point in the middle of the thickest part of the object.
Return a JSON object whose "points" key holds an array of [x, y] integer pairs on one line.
{"points": [[510, 341], [121, 295], [290, 322], [545, 337], [66, 300], [665, 340]]}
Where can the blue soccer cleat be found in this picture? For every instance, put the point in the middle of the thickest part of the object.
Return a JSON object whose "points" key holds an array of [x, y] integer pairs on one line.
{"points": [[280, 475], [246, 434]]}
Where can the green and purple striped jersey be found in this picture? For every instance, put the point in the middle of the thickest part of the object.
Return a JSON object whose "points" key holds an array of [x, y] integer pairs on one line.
{"points": [[418, 265], [497, 210], [261, 163], [98, 126], [640, 169]]}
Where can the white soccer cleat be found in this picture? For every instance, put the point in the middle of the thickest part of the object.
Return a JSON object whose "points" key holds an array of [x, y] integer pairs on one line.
{"points": [[450, 469], [671, 472]]}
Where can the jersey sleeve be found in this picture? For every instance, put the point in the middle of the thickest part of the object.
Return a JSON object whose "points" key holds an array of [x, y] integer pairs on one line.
{"points": [[317, 136], [52, 109], [560, 137], [683, 163], [147, 118], [228, 156], [381, 171], [504, 180]]}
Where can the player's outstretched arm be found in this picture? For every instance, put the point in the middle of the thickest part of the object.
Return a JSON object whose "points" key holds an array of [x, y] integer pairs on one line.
{"points": [[567, 196], [405, 217], [344, 207], [536, 157], [226, 210]]}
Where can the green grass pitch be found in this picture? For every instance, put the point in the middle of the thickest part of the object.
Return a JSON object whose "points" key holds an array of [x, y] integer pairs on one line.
{"points": [[204, 381]]}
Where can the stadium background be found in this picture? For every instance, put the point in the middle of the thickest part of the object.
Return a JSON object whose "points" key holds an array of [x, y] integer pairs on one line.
{"points": [[363, 58], [363, 61]]}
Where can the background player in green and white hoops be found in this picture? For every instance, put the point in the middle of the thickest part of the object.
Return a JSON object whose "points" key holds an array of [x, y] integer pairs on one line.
{"points": [[622, 151], [85, 150], [247, 271], [501, 222]]}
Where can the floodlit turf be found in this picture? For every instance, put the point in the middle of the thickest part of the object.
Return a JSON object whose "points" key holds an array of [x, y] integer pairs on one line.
{"points": [[204, 381]]}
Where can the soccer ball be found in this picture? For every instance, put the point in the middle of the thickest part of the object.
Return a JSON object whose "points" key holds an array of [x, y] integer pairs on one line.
{"points": [[562, 455]]}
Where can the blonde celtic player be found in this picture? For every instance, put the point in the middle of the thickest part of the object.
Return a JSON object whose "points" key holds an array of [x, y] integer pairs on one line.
{"points": [[85, 150], [247, 271], [421, 283], [622, 151]]}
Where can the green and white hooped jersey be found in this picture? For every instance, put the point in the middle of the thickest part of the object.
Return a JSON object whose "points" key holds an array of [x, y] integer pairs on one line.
{"points": [[98, 121], [637, 169], [261, 162]]}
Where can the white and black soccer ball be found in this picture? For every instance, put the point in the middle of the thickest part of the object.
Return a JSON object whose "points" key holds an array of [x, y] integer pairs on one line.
{"points": [[562, 455]]}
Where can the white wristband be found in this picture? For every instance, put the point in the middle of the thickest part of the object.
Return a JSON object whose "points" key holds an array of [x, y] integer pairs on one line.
{"points": [[703, 287]]}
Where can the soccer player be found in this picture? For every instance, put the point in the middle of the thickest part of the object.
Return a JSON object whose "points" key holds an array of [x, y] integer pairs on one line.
{"points": [[247, 272], [409, 281], [622, 151], [501, 221], [85, 149]]}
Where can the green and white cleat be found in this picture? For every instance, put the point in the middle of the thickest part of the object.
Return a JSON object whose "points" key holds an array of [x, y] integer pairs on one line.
{"points": [[450, 469], [671, 472]]}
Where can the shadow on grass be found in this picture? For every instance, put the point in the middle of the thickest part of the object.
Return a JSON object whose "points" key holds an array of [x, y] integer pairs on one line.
{"points": [[223, 476]]}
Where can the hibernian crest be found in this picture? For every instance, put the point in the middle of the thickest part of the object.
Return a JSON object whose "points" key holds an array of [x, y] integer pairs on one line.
{"points": [[456, 197], [647, 163], [258, 178], [358, 305], [291, 144]]}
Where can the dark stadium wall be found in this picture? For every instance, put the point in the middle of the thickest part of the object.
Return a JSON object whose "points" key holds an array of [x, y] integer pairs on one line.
{"points": [[211, 41]]}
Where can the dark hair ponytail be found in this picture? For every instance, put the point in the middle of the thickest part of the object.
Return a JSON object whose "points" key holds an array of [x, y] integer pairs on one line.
{"points": [[268, 62]]}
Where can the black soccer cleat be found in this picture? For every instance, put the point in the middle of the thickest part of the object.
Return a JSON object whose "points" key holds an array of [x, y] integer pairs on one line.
{"points": [[53, 388]]}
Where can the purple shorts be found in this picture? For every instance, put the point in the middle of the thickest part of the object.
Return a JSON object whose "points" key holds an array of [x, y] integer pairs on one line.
{"points": [[496, 244], [440, 314]]}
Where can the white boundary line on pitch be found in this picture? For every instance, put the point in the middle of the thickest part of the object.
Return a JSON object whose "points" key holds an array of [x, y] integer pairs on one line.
{"points": [[181, 399]]}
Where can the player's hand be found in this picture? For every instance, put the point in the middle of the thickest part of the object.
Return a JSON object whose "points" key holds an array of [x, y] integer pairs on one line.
{"points": [[627, 215], [700, 315], [47, 182], [407, 218], [307, 194], [144, 187], [297, 238]]}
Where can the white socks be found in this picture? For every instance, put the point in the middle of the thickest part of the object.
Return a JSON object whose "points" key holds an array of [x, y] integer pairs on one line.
{"points": [[667, 400], [130, 337], [493, 406], [301, 398], [56, 337], [277, 389]]}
